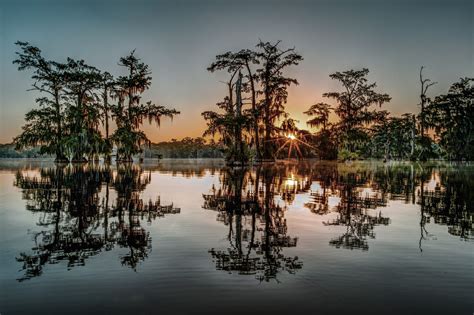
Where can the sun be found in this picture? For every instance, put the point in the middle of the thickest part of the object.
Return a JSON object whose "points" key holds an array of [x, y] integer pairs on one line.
{"points": [[291, 141]]}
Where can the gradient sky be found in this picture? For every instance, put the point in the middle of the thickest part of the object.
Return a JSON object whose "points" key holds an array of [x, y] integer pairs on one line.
{"points": [[179, 39]]}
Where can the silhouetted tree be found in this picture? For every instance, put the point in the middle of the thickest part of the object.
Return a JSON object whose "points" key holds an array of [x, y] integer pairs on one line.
{"points": [[107, 85], [424, 142], [323, 140], [234, 120], [45, 125], [274, 85], [248, 58], [83, 113], [393, 137], [320, 115], [425, 84], [354, 107], [452, 117], [129, 116]]}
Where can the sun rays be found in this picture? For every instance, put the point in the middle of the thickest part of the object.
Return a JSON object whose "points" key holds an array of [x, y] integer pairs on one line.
{"points": [[292, 142]]}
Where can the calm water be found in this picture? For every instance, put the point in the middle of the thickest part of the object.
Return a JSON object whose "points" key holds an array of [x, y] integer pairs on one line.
{"points": [[189, 237]]}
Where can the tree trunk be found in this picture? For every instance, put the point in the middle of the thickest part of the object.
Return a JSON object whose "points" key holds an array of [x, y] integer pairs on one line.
{"points": [[255, 114], [412, 138], [79, 152], [125, 158], [267, 154], [60, 157], [107, 156], [238, 145]]}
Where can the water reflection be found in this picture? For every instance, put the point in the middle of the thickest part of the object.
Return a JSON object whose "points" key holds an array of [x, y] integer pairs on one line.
{"points": [[355, 197], [253, 202], [78, 218], [284, 231], [82, 211], [258, 233], [354, 191]]}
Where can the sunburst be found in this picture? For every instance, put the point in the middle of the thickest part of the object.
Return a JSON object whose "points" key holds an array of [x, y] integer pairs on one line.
{"points": [[292, 141]]}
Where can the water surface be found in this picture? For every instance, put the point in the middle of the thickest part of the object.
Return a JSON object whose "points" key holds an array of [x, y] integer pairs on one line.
{"points": [[190, 237]]}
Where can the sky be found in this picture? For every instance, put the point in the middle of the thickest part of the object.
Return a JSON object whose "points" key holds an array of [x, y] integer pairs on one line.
{"points": [[179, 39]]}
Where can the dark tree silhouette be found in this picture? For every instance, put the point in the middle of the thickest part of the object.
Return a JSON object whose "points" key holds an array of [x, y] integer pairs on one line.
{"points": [[274, 85], [129, 116], [44, 126], [425, 84], [452, 116], [107, 84], [324, 139], [68, 121], [354, 107], [231, 124], [265, 87], [393, 137], [83, 113]]}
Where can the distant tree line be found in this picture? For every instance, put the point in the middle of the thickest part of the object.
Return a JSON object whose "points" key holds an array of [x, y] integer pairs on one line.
{"points": [[187, 148], [79, 103], [8, 151]]}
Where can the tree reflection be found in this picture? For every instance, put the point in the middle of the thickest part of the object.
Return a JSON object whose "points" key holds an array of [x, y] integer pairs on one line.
{"points": [[357, 193], [351, 194], [78, 219], [246, 203], [447, 198], [87, 209]]}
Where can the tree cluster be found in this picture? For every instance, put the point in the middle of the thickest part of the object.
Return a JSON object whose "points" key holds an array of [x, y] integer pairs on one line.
{"points": [[253, 123], [443, 129], [256, 80], [78, 103]]}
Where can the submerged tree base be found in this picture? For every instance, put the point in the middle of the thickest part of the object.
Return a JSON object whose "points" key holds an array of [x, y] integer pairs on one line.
{"points": [[79, 160], [264, 161], [61, 160], [124, 160], [237, 164]]}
